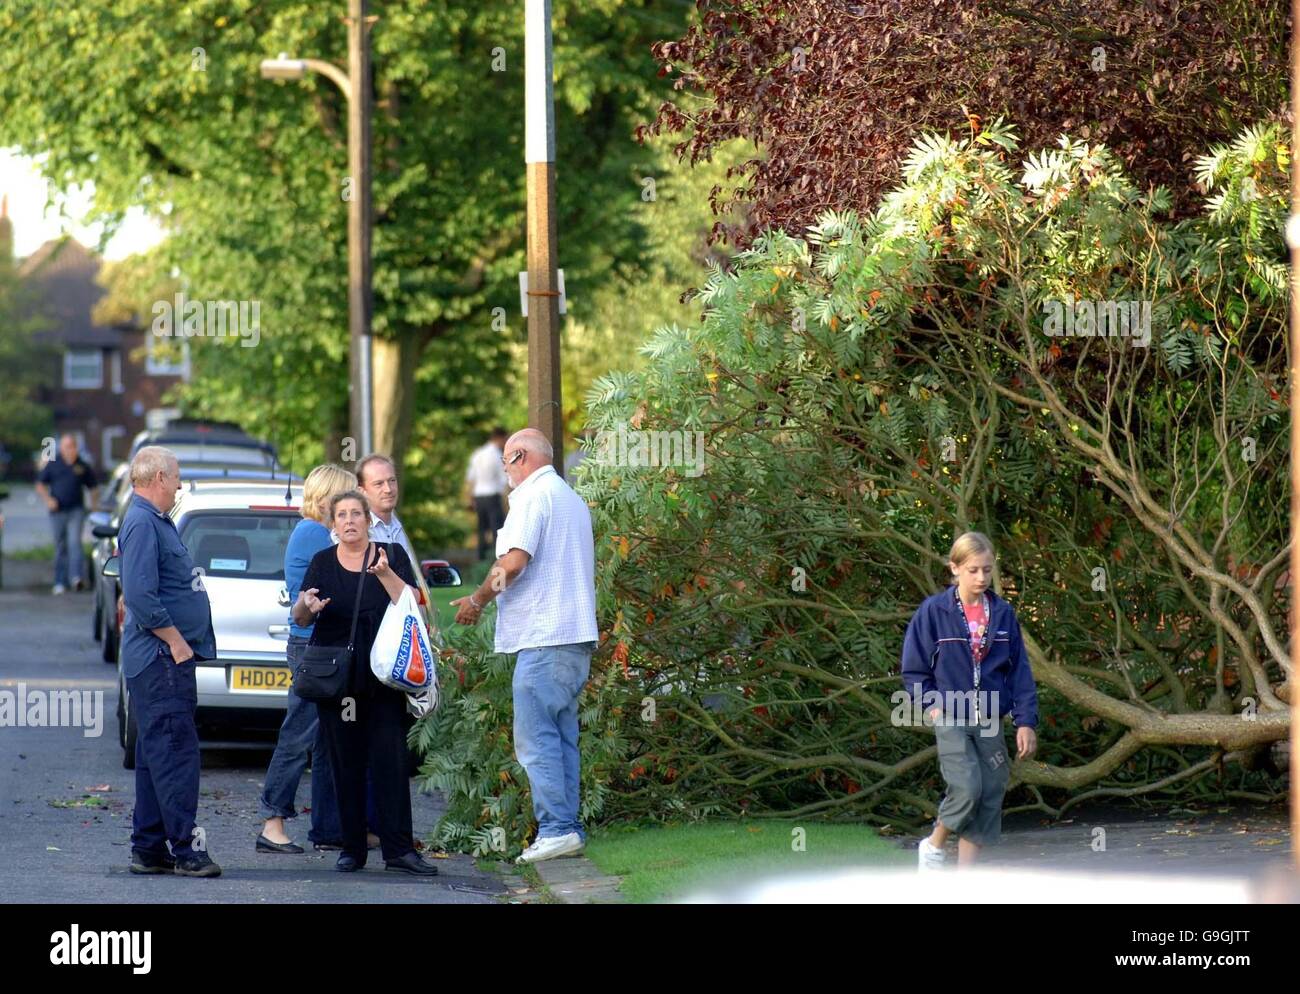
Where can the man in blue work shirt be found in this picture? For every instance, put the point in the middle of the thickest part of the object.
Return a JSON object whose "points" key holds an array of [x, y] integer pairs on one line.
{"points": [[168, 626]]}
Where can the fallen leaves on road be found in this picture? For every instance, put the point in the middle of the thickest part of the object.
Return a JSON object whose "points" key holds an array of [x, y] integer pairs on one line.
{"points": [[84, 801]]}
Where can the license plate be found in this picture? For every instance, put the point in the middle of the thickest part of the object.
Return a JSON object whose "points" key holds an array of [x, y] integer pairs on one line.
{"points": [[270, 679]]}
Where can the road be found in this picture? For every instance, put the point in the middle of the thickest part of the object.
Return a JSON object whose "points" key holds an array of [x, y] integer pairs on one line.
{"points": [[64, 838]]}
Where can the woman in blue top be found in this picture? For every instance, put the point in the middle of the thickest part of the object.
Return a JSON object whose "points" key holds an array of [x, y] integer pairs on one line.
{"points": [[300, 733], [964, 663]]}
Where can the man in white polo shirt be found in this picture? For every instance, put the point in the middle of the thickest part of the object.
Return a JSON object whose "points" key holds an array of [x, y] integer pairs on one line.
{"points": [[485, 486], [544, 582]]}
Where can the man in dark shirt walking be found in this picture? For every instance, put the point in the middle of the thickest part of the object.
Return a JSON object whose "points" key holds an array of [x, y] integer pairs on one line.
{"points": [[168, 626], [60, 484]]}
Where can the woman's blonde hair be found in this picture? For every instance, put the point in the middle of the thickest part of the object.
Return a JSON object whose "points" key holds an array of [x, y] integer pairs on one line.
{"points": [[321, 484], [970, 544]]}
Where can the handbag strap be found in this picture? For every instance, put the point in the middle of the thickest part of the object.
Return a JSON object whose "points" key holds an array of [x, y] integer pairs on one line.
{"points": [[356, 605]]}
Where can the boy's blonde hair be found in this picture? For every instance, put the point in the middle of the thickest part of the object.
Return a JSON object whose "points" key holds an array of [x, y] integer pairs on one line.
{"points": [[970, 544], [321, 484]]}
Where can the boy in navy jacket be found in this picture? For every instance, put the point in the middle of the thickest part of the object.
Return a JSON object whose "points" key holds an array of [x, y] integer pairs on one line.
{"points": [[964, 664]]}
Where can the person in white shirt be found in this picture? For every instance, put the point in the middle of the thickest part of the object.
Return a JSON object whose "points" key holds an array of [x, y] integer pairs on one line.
{"points": [[485, 486], [544, 582], [377, 479]]}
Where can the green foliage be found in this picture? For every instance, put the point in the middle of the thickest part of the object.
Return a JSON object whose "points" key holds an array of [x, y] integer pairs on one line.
{"points": [[870, 392], [469, 749], [161, 105], [865, 395], [27, 363]]}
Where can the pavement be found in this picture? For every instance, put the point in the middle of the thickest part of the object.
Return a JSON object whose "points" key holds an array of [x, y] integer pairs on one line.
{"points": [[577, 880], [66, 800], [1213, 840]]}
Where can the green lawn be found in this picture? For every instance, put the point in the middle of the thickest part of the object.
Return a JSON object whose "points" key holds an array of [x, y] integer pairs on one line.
{"points": [[669, 862]]}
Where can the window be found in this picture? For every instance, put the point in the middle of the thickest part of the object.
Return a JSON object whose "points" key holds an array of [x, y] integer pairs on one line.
{"points": [[83, 369], [106, 439], [115, 370], [166, 357], [247, 545]]}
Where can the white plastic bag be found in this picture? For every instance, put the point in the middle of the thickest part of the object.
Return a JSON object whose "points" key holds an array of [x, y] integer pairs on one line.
{"points": [[402, 656]]}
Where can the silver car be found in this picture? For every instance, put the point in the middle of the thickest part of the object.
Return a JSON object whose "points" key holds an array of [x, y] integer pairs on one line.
{"points": [[236, 533]]}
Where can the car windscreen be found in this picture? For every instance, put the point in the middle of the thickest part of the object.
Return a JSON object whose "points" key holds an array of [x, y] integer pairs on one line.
{"points": [[239, 544]]}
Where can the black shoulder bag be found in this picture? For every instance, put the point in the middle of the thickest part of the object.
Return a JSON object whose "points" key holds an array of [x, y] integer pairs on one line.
{"points": [[325, 671]]}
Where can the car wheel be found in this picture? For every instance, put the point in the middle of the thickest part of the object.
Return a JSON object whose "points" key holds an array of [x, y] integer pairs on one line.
{"points": [[110, 639], [121, 712], [126, 727]]}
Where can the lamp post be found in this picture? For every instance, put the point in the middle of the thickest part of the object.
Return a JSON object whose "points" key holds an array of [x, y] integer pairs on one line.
{"points": [[544, 411], [355, 84]]}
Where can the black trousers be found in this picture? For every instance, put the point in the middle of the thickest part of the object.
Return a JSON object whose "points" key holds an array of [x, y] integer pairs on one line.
{"points": [[375, 737], [490, 519]]}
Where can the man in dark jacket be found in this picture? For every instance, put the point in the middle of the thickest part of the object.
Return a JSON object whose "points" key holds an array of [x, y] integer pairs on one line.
{"points": [[60, 484], [168, 626]]}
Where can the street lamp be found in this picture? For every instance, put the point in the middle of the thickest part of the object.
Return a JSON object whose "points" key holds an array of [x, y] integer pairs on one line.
{"points": [[355, 84], [544, 408]]}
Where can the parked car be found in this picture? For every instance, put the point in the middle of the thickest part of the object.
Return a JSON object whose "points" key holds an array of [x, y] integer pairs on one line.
{"points": [[236, 532], [104, 525], [192, 439]]}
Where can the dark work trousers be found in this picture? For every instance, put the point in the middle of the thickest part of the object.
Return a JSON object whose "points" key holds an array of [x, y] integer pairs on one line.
{"points": [[163, 698], [490, 519], [375, 738]]}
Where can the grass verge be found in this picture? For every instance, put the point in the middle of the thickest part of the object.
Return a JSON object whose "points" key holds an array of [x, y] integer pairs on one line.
{"points": [[665, 863]]}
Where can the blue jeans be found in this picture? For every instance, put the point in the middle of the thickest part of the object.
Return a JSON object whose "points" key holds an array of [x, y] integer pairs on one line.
{"points": [[66, 526], [299, 735], [547, 682], [163, 698]]}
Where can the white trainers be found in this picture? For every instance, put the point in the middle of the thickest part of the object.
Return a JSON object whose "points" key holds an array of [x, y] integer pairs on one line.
{"points": [[59, 589], [552, 847], [929, 857]]}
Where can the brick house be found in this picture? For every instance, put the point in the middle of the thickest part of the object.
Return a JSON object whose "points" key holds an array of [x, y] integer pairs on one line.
{"points": [[107, 383]]}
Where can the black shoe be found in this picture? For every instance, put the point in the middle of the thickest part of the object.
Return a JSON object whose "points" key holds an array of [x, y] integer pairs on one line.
{"points": [[151, 862], [198, 864], [348, 864], [266, 845], [411, 863], [327, 846]]}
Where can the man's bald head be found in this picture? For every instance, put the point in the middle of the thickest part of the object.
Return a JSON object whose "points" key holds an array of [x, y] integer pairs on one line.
{"points": [[525, 452], [533, 441]]}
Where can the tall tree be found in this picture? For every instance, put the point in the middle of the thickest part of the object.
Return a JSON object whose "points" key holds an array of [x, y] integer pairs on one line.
{"points": [[23, 421], [161, 105]]}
